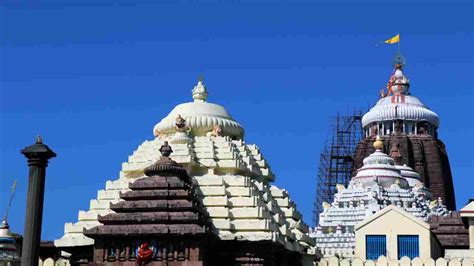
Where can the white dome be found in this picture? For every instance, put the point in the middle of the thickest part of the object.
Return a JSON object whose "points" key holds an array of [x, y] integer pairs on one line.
{"points": [[201, 117], [381, 167], [409, 174], [411, 109]]}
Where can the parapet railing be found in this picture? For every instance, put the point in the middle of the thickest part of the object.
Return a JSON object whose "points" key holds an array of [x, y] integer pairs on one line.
{"points": [[405, 261]]}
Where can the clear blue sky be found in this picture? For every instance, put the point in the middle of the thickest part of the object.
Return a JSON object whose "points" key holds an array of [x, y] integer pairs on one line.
{"points": [[93, 77]]}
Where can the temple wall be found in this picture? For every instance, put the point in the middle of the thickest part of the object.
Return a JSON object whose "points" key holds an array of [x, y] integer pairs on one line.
{"points": [[333, 261]]}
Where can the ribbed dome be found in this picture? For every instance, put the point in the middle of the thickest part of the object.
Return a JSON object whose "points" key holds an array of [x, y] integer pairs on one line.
{"points": [[409, 174], [201, 117], [381, 167], [401, 105], [411, 109]]}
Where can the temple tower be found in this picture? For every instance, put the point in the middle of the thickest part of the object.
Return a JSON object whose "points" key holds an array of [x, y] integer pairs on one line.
{"points": [[405, 124], [159, 219], [251, 220]]}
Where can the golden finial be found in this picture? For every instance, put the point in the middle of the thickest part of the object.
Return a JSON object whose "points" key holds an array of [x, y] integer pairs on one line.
{"points": [[378, 144]]}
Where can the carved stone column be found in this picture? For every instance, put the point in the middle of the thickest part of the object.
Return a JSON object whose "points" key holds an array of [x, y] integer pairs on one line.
{"points": [[38, 155]]}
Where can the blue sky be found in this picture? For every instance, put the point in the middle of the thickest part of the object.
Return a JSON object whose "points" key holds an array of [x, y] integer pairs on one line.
{"points": [[94, 77]]}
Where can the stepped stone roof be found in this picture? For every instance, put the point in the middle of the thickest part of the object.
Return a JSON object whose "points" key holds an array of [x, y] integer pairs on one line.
{"points": [[450, 230], [164, 202], [232, 178]]}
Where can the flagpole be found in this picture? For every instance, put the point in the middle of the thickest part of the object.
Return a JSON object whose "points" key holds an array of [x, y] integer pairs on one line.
{"points": [[398, 44], [11, 199]]}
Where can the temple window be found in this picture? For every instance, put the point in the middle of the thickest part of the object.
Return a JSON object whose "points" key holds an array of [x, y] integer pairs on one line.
{"points": [[408, 245], [376, 245]]}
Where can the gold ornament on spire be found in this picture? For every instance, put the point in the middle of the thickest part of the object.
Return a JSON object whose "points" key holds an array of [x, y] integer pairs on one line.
{"points": [[378, 144]]}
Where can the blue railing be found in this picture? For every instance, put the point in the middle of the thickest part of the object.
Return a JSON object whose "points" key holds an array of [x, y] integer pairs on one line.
{"points": [[408, 245], [376, 245]]}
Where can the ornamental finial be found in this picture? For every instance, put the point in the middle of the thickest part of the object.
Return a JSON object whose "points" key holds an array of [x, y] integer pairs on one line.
{"points": [[166, 149], [39, 139], [398, 61], [378, 144], [199, 91]]}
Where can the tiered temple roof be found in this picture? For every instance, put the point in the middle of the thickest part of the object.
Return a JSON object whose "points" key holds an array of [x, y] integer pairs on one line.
{"points": [[232, 178], [160, 210]]}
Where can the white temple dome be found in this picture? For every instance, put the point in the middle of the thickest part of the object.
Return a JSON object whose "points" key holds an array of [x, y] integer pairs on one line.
{"points": [[201, 117], [409, 174], [398, 104], [411, 109], [379, 167]]}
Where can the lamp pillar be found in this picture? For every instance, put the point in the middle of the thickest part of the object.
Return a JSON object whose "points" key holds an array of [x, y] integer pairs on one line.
{"points": [[38, 155]]}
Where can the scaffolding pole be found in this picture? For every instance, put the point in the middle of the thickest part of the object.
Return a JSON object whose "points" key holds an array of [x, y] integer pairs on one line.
{"points": [[337, 158]]}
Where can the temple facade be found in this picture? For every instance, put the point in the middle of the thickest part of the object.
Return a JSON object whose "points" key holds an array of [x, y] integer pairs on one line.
{"points": [[250, 220], [405, 123]]}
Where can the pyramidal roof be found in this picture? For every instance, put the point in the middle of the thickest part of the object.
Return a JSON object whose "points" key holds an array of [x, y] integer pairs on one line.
{"points": [[232, 178]]}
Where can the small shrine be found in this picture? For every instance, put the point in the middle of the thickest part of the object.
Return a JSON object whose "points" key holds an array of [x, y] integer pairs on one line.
{"points": [[159, 219]]}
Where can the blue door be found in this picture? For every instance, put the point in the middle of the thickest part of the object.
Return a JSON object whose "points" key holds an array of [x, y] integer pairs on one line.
{"points": [[376, 245]]}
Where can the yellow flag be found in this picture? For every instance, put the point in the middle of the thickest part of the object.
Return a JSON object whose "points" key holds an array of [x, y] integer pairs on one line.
{"points": [[394, 39]]}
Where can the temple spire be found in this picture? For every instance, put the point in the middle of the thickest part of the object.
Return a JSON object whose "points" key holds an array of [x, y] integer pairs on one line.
{"points": [[200, 91], [398, 61]]}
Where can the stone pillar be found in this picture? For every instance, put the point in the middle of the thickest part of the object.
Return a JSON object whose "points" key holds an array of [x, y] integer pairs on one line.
{"points": [[38, 155]]}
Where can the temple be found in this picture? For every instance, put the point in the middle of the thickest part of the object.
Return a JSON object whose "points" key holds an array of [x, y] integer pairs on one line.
{"points": [[401, 171], [380, 182], [406, 124], [250, 220]]}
